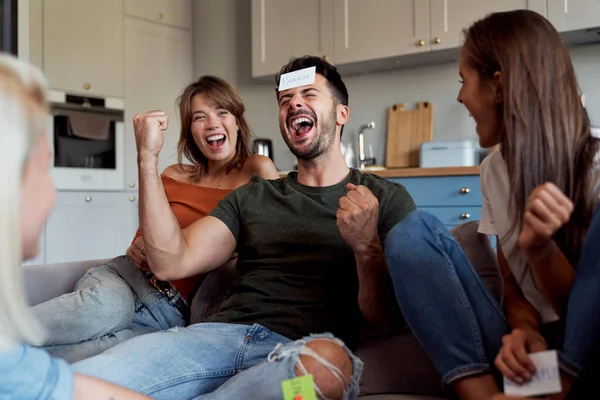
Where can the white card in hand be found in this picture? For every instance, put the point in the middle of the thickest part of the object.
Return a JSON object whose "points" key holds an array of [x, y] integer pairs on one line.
{"points": [[546, 379]]}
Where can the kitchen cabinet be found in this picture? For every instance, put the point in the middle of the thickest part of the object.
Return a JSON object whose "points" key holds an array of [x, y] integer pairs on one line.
{"points": [[452, 199], [88, 226], [82, 46], [448, 18], [282, 29], [572, 15], [380, 29], [376, 32], [158, 66], [369, 30], [176, 13]]}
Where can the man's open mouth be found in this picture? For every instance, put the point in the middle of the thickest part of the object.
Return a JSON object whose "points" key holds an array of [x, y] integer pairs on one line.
{"points": [[300, 126]]}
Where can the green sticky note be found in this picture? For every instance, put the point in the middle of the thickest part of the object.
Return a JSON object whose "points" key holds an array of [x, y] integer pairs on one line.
{"points": [[300, 388]]}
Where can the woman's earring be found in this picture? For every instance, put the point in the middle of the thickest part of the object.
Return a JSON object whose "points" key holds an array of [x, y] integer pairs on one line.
{"points": [[499, 98]]}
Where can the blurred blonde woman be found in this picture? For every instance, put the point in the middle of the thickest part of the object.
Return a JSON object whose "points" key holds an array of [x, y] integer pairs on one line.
{"points": [[26, 198]]}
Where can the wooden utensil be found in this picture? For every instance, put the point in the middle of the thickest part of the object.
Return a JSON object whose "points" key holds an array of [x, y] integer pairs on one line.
{"points": [[406, 131]]}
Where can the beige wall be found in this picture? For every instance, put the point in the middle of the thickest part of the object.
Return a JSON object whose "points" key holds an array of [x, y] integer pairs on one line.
{"points": [[370, 95]]}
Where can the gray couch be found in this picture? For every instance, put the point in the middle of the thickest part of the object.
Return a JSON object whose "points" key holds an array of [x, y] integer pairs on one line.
{"points": [[396, 367]]}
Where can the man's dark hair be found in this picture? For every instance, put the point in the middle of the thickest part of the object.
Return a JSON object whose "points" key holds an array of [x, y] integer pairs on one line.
{"points": [[334, 80]]}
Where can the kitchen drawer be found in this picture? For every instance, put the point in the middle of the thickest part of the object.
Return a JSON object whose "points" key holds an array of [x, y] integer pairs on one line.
{"points": [[452, 216], [443, 190]]}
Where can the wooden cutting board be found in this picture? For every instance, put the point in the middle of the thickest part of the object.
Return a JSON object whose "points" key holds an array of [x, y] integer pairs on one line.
{"points": [[406, 130]]}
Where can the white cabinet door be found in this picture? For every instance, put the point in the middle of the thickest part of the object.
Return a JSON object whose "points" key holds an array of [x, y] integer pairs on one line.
{"points": [[169, 12], [158, 66], [450, 17], [370, 30], [572, 15], [282, 29], [88, 226], [83, 46]]}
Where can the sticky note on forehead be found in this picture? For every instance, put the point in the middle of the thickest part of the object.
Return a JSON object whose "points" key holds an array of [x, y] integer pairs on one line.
{"points": [[301, 77]]}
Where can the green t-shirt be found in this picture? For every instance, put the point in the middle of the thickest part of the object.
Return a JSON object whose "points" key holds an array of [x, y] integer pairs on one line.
{"points": [[297, 275]]}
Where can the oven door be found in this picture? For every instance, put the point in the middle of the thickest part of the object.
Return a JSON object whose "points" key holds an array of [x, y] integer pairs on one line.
{"points": [[84, 163]]}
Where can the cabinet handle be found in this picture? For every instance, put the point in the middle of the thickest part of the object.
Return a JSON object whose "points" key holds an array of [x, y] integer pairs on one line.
{"points": [[131, 198], [437, 40], [159, 15], [465, 190], [132, 184], [88, 198], [420, 43], [465, 216], [87, 86], [325, 58]]}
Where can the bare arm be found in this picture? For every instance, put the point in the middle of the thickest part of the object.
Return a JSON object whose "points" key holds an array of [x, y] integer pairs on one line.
{"points": [[375, 290], [519, 312], [554, 273], [547, 210], [172, 253], [88, 388], [262, 166], [357, 220]]}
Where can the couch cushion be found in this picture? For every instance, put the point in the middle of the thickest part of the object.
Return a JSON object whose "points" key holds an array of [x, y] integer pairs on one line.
{"points": [[397, 364], [482, 256]]}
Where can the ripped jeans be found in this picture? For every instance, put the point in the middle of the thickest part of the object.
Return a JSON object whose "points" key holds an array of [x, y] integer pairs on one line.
{"points": [[208, 361]]}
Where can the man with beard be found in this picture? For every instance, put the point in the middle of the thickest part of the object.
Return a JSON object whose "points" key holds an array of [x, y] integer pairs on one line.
{"points": [[310, 259]]}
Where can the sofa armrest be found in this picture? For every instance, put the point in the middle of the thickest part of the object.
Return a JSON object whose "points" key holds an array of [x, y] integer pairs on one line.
{"points": [[45, 282]]}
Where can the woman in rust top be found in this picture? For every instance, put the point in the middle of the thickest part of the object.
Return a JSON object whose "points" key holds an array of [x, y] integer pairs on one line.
{"points": [[122, 298]]}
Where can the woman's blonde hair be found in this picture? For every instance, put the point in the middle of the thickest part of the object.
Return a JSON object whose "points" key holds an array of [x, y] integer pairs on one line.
{"points": [[22, 93]]}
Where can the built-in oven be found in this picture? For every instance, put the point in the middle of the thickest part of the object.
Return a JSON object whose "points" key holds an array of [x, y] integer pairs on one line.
{"points": [[86, 135]]}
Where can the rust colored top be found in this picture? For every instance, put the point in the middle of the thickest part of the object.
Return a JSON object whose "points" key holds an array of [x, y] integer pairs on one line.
{"points": [[189, 203]]}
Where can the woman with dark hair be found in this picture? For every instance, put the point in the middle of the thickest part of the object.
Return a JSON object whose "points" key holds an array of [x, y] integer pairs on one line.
{"points": [[540, 189], [122, 298]]}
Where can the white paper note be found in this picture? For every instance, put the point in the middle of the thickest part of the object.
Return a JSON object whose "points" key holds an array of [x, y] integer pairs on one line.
{"points": [[546, 379], [301, 77]]}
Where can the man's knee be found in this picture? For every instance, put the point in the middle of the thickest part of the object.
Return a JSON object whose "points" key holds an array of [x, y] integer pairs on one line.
{"points": [[332, 384]]}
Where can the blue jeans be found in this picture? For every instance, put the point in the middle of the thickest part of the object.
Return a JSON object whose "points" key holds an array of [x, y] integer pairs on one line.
{"points": [[446, 305], [582, 329], [211, 360], [111, 303]]}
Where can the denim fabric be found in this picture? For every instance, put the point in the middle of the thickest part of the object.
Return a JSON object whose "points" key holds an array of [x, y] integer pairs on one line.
{"points": [[451, 312], [583, 312], [189, 362], [264, 380], [110, 304], [27, 373]]}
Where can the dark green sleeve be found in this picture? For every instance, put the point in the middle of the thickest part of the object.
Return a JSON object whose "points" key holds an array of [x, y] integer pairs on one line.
{"points": [[393, 208], [229, 210]]}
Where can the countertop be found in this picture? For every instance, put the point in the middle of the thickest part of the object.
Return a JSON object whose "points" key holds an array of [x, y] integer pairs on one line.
{"points": [[416, 172]]}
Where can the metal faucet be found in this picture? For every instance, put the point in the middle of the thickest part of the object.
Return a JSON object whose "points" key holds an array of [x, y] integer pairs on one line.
{"points": [[362, 160]]}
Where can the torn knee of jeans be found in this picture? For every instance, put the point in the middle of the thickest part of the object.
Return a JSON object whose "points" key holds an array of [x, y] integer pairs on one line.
{"points": [[329, 364]]}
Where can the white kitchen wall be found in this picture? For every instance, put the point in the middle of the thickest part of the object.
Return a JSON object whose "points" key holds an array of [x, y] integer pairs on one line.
{"points": [[370, 95]]}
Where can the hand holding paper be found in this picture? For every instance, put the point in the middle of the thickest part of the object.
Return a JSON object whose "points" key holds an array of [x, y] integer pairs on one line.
{"points": [[546, 379]]}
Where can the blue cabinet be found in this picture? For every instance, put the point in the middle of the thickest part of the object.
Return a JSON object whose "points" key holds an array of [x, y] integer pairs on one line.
{"points": [[452, 199]]}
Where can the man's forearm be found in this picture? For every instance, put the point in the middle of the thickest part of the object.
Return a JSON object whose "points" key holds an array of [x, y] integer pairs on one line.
{"points": [[160, 229], [375, 290]]}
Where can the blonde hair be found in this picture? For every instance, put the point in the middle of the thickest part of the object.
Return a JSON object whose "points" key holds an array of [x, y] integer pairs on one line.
{"points": [[22, 92]]}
